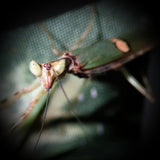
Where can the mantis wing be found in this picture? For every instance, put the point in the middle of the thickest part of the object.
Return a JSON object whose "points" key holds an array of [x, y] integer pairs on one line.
{"points": [[30, 42]]}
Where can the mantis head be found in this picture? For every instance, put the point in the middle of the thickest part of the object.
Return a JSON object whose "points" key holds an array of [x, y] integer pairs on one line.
{"points": [[48, 72]]}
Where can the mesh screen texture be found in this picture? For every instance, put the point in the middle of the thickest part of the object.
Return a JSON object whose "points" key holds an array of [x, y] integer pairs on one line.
{"points": [[22, 45]]}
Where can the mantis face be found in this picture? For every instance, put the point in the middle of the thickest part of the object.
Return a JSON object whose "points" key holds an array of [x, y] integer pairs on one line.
{"points": [[51, 71]]}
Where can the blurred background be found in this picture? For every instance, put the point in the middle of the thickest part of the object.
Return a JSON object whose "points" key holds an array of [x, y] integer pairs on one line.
{"points": [[132, 121]]}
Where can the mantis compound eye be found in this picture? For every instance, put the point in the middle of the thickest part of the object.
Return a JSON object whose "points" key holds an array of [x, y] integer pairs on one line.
{"points": [[35, 68], [59, 67]]}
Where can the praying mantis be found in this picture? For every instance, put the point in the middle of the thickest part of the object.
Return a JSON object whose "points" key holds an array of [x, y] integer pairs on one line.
{"points": [[73, 62]]}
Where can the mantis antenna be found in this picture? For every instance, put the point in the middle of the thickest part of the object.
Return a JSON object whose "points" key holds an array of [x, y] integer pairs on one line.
{"points": [[70, 104], [46, 108], [43, 122]]}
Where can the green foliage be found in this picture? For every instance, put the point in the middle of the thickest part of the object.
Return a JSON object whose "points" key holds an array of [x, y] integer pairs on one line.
{"points": [[62, 132]]}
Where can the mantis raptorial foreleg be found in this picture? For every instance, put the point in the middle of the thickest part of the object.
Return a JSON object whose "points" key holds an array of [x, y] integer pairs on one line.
{"points": [[15, 96], [29, 108]]}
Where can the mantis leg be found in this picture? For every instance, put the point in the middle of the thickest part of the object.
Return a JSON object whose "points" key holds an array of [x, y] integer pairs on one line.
{"points": [[85, 33], [137, 85], [54, 50], [15, 96], [28, 109], [147, 86]]}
